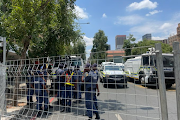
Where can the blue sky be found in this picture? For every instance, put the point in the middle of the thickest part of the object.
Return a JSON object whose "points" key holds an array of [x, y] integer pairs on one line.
{"points": [[124, 17]]}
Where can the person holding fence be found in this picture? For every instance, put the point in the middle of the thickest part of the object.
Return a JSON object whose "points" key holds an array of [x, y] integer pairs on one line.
{"points": [[90, 84]]}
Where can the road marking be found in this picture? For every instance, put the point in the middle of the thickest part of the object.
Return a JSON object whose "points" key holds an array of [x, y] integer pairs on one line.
{"points": [[118, 117]]}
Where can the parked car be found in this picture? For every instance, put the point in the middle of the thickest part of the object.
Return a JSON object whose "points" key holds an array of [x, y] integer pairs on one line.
{"points": [[112, 74]]}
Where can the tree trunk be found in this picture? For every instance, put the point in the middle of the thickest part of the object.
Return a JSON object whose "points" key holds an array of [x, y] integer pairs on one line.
{"points": [[18, 77]]}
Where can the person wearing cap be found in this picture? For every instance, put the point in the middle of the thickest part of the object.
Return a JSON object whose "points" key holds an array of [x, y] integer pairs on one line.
{"points": [[40, 91], [96, 87], [67, 94], [90, 84], [60, 84], [44, 76], [77, 78]]}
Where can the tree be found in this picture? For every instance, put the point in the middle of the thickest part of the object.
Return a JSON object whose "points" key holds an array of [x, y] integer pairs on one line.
{"points": [[166, 48], [129, 44], [37, 23], [77, 48], [99, 45], [32, 22]]}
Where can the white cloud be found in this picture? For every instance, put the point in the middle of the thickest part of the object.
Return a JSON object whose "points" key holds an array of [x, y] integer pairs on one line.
{"points": [[160, 29], [142, 5], [89, 41], [165, 26], [159, 38], [104, 15], [130, 20], [154, 12], [81, 12]]}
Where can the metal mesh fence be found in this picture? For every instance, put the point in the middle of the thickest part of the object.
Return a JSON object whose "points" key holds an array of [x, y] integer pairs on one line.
{"points": [[66, 87], [2, 88]]}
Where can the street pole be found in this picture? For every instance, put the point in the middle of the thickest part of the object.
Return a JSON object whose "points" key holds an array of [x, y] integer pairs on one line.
{"points": [[4, 50], [177, 75], [161, 82]]}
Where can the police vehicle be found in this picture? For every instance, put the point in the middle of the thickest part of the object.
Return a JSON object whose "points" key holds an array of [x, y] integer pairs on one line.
{"points": [[112, 74], [143, 69]]}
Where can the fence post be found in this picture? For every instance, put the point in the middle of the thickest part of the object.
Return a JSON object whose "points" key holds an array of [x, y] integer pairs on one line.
{"points": [[4, 50], [177, 75], [161, 82]]}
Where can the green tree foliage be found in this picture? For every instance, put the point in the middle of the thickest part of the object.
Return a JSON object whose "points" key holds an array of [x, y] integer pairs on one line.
{"points": [[166, 48], [77, 48], [129, 44], [42, 27], [39, 26], [100, 46]]}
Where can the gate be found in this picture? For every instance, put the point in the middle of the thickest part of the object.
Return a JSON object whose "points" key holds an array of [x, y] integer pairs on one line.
{"points": [[120, 96]]}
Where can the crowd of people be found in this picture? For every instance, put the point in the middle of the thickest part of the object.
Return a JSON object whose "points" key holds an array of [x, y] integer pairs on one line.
{"points": [[68, 85]]}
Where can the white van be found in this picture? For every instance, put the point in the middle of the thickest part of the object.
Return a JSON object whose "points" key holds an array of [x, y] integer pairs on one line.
{"points": [[143, 69]]}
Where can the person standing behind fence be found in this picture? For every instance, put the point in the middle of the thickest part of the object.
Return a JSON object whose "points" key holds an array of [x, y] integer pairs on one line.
{"points": [[60, 80], [77, 77], [68, 90], [30, 91], [95, 86], [45, 77], [41, 92], [89, 92]]}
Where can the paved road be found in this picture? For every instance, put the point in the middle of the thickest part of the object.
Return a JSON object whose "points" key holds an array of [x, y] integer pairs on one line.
{"points": [[116, 103]]}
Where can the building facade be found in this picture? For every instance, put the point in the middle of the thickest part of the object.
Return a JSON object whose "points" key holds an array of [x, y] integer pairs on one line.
{"points": [[113, 55], [120, 41], [165, 41], [178, 32], [176, 37], [146, 37]]}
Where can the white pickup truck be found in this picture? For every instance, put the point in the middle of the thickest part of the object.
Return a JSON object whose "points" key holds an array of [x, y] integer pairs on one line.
{"points": [[112, 74]]}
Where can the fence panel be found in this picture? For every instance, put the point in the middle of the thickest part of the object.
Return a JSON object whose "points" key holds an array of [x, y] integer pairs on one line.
{"points": [[2, 89], [124, 92]]}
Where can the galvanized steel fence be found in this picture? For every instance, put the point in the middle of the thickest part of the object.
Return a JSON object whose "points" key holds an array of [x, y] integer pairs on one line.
{"points": [[121, 95]]}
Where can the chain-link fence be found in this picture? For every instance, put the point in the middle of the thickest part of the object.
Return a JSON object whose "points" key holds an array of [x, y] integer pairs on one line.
{"points": [[108, 85]]}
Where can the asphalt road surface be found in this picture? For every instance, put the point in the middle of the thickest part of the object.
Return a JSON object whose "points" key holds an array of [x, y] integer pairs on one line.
{"points": [[114, 103]]}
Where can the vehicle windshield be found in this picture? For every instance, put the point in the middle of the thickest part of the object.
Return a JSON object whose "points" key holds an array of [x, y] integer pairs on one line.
{"points": [[168, 61], [112, 68], [76, 62]]}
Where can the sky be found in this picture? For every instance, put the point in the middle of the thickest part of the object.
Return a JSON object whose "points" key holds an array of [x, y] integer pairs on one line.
{"points": [[124, 17]]}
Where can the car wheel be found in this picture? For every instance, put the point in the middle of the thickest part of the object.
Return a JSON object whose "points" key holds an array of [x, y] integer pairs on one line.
{"points": [[101, 80], [104, 83], [168, 86], [124, 86]]}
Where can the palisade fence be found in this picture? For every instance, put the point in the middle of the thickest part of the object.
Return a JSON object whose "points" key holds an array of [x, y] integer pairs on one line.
{"points": [[119, 99]]}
